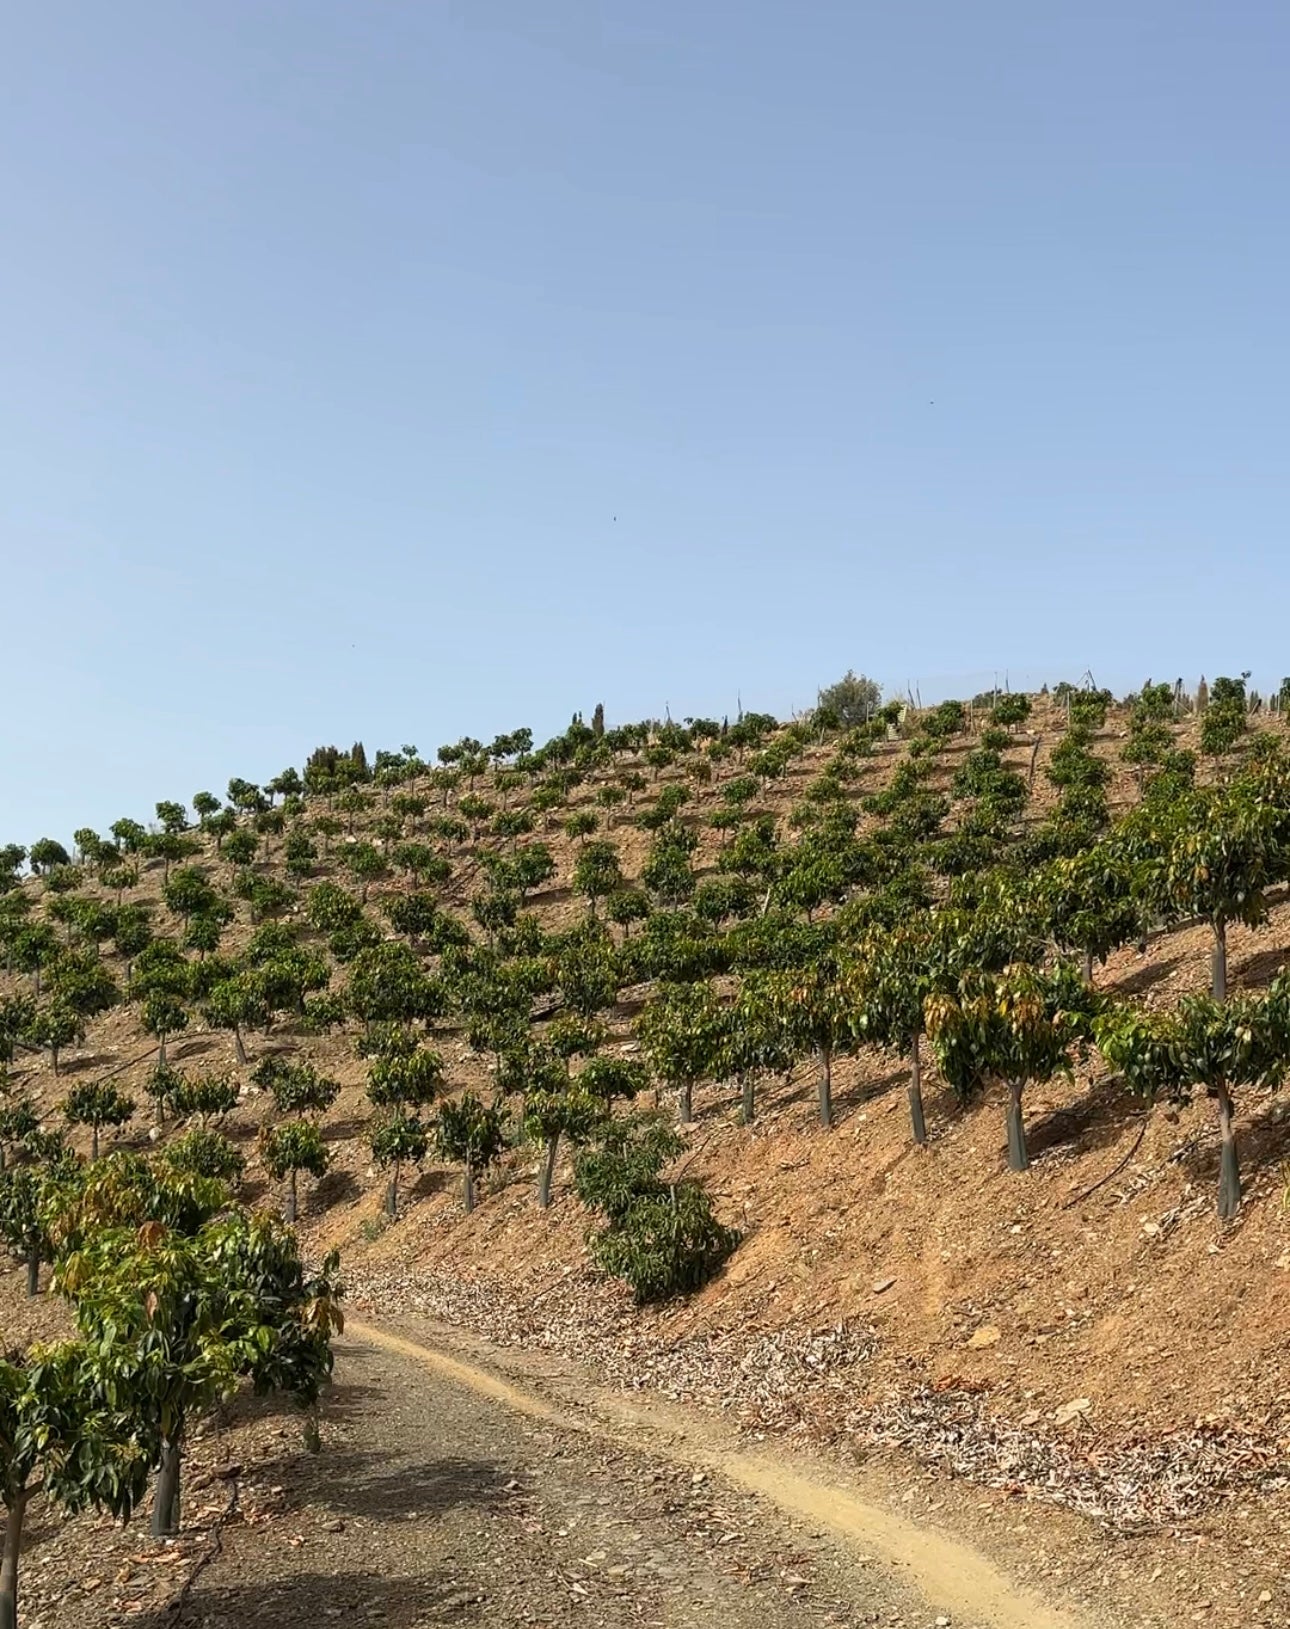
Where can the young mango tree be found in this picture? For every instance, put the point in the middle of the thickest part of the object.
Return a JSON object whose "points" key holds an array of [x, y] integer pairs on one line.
{"points": [[404, 1077], [1087, 903], [176, 1320], [1017, 1026], [757, 1040], [597, 873], [1211, 853], [555, 1106], [289, 1149], [472, 1134], [28, 1196], [18, 1120], [61, 1436], [888, 983], [681, 1031], [662, 1237], [814, 1007], [296, 1087], [1215, 1045], [96, 1104]]}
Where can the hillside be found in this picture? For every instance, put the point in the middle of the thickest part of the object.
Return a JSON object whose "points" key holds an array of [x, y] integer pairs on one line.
{"points": [[1086, 1331]]}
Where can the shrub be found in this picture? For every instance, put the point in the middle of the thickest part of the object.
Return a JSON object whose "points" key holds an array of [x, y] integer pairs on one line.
{"points": [[661, 1237]]}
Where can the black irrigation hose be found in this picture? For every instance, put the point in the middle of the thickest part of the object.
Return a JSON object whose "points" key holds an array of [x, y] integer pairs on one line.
{"points": [[1115, 1169]]}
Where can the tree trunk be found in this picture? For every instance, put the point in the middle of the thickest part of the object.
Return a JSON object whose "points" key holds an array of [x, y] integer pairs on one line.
{"points": [[94, 1143], [239, 1046], [165, 1502], [161, 1050], [53, 1052], [392, 1193], [1219, 961], [291, 1200], [748, 1098], [685, 1105], [1088, 967], [824, 1084], [33, 1271], [1018, 1158], [9, 1561], [1229, 1170], [547, 1172], [469, 1190], [916, 1117]]}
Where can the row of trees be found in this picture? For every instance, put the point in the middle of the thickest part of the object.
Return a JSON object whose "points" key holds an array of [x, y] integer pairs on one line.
{"points": [[944, 920]]}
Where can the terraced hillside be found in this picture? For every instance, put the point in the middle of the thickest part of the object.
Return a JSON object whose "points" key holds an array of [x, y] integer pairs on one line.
{"points": [[535, 918]]}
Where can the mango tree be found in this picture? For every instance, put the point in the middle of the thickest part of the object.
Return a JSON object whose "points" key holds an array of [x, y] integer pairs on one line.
{"points": [[403, 1077], [1217, 1045], [472, 1134], [757, 1040], [288, 1149], [680, 1031], [1017, 1026], [1211, 853], [96, 1104], [889, 981], [1087, 903], [61, 1436], [178, 1319]]}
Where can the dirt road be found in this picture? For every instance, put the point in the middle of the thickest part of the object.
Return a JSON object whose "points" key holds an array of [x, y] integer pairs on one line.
{"points": [[448, 1494]]}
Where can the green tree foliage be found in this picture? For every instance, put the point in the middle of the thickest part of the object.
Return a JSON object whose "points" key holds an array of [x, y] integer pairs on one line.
{"points": [[681, 1032], [1017, 1026], [1216, 1046], [296, 1086], [1212, 853], [388, 983], [204, 1097], [203, 1152], [471, 1134], [853, 699], [661, 1237], [180, 1319], [46, 855], [597, 873], [96, 1104], [289, 1149], [64, 1432]]}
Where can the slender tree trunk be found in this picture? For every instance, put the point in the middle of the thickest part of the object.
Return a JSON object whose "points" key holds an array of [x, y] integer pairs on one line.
{"points": [[748, 1098], [824, 1084], [33, 1271], [53, 1052], [392, 1192], [291, 1200], [1088, 967], [161, 1051], [239, 1046], [1219, 960], [916, 1118], [469, 1189], [547, 1171], [1018, 1158], [165, 1502], [94, 1143], [14, 1514], [685, 1104], [1229, 1177]]}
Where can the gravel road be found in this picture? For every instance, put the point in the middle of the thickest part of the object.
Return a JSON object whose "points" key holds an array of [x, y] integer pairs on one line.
{"points": [[434, 1504]]}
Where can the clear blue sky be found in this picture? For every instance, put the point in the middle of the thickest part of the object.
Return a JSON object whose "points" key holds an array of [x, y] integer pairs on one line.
{"points": [[929, 339]]}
